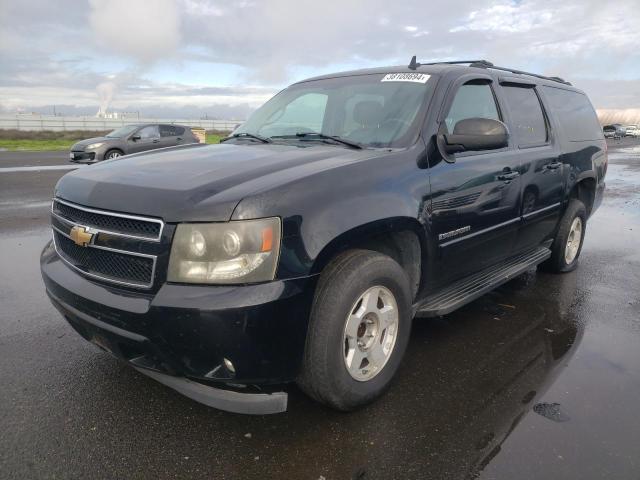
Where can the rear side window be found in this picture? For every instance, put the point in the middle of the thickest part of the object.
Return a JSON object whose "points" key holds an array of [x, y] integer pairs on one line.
{"points": [[575, 113], [472, 100], [527, 118], [167, 131], [179, 130]]}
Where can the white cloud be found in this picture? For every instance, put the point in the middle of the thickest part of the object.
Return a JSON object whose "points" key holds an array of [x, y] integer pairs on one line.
{"points": [[508, 17], [197, 44], [140, 29], [202, 7]]}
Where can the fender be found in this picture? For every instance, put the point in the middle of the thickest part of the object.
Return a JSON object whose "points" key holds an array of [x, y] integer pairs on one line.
{"points": [[347, 203]]}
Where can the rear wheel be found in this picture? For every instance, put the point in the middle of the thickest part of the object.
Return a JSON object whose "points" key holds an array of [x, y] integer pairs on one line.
{"points": [[567, 245], [359, 328]]}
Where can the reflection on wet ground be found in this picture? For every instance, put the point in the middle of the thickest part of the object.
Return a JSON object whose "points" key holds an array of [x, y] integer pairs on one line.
{"points": [[540, 379]]}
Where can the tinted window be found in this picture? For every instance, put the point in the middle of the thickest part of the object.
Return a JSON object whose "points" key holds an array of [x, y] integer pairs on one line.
{"points": [[528, 124], [179, 130], [575, 113], [472, 101], [149, 132], [167, 131]]}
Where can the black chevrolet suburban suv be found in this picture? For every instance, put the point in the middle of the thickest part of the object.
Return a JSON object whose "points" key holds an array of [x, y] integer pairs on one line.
{"points": [[303, 246]]}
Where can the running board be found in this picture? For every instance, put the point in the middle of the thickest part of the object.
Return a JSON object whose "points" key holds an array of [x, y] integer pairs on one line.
{"points": [[469, 288]]}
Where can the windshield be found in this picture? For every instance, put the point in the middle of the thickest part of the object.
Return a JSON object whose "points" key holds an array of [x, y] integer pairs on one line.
{"points": [[122, 131], [375, 110]]}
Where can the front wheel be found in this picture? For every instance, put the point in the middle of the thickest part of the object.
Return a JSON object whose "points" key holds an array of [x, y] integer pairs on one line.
{"points": [[359, 329], [112, 154], [567, 245]]}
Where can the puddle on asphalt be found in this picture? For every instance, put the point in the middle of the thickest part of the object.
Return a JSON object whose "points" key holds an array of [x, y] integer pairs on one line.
{"points": [[22, 293], [623, 187]]}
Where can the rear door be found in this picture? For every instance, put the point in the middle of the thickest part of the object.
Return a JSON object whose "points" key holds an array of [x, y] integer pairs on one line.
{"points": [[538, 153], [168, 136], [475, 197], [183, 135]]}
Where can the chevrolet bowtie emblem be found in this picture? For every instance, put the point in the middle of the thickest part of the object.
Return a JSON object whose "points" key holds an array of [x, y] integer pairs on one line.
{"points": [[81, 236]]}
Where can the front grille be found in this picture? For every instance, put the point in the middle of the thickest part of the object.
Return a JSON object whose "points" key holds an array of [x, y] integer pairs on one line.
{"points": [[112, 247], [108, 265], [116, 223]]}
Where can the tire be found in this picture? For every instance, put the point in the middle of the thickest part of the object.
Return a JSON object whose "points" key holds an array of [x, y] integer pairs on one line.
{"points": [[560, 260], [337, 312], [113, 153]]}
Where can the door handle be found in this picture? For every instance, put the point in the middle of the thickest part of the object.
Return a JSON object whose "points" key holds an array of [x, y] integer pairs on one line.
{"points": [[179, 139], [508, 176], [553, 165], [156, 140]]}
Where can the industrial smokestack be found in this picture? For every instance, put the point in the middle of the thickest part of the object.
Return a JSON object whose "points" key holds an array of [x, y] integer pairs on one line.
{"points": [[105, 94]]}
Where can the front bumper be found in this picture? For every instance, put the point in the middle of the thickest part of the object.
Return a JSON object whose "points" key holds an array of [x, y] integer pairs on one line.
{"points": [[83, 157], [185, 336]]}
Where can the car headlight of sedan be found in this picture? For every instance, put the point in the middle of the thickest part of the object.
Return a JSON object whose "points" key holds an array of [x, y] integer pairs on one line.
{"points": [[94, 145], [243, 251]]}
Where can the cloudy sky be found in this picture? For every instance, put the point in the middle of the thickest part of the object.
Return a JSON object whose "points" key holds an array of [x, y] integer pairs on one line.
{"points": [[191, 58]]}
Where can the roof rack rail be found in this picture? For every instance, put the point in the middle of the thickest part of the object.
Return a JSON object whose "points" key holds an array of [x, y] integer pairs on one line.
{"points": [[413, 64]]}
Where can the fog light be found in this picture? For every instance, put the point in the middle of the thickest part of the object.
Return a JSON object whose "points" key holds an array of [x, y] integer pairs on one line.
{"points": [[229, 365]]}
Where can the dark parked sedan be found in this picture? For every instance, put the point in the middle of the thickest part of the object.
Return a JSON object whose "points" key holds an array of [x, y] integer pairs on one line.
{"points": [[130, 139]]}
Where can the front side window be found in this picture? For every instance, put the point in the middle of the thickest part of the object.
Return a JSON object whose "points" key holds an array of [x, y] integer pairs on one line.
{"points": [[527, 118], [368, 109], [122, 131], [148, 132], [472, 100]]}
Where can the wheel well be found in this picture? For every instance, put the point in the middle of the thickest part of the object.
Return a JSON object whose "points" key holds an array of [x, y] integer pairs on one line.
{"points": [[585, 191], [402, 244], [114, 149]]}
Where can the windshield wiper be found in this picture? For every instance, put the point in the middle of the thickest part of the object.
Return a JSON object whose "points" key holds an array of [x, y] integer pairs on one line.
{"points": [[322, 136], [246, 135]]}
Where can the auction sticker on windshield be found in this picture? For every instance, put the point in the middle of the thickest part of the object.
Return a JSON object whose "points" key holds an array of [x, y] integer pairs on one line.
{"points": [[406, 77]]}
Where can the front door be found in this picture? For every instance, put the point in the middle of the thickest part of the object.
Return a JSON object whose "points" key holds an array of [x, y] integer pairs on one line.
{"points": [[475, 196], [146, 138]]}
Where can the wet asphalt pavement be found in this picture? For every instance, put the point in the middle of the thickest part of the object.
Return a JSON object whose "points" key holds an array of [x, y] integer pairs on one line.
{"points": [[537, 380]]}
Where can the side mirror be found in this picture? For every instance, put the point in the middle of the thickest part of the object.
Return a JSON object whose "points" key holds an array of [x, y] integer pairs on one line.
{"points": [[474, 134], [135, 138]]}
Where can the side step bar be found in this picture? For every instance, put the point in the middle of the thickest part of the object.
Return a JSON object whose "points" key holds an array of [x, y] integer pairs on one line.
{"points": [[474, 286]]}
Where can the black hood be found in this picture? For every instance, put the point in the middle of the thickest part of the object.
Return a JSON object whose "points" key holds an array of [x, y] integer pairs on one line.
{"points": [[198, 182]]}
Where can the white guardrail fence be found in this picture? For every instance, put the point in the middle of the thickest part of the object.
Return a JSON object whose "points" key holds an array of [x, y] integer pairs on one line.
{"points": [[60, 124]]}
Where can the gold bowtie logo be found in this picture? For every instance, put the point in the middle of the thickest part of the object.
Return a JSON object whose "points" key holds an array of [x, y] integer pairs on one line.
{"points": [[81, 236]]}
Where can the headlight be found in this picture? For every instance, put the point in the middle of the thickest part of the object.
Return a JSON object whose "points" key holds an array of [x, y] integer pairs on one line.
{"points": [[94, 145], [233, 252]]}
